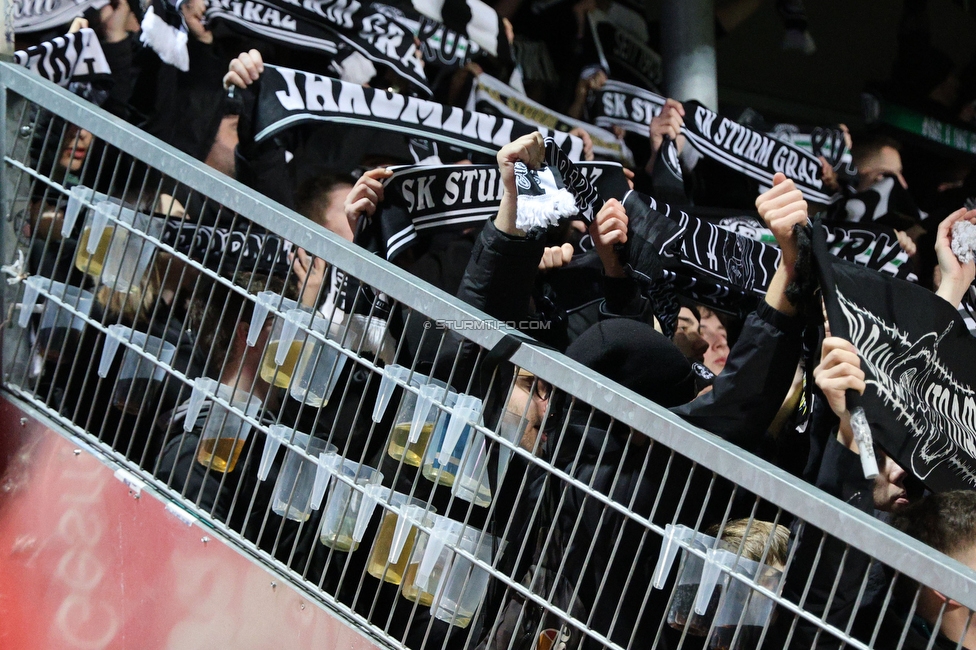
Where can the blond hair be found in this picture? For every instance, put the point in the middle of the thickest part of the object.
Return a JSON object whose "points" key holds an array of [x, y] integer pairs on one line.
{"points": [[753, 536]]}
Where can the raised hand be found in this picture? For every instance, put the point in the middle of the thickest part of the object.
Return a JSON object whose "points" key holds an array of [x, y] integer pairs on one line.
{"points": [[839, 370], [956, 277], [666, 123], [114, 18], [782, 207], [529, 149], [365, 195], [607, 230], [244, 70], [309, 273], [555, 257], [193, 13]]}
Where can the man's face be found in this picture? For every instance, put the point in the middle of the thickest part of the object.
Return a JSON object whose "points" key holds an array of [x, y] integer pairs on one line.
{"points": [[76, 144], [715, 335], [687, 322], [333, 218], [886, 161], [531, 397], [889, 485], [221, 155]]}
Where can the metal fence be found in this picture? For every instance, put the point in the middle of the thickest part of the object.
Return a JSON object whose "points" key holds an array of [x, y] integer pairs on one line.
{"points": [[434, 492]]}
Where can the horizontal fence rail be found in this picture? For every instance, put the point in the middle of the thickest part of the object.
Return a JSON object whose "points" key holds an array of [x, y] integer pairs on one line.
{"points": [[404, 474]]}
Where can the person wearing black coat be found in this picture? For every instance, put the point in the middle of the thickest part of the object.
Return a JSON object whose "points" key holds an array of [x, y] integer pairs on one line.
{"points": [[592, 448], [825, 570]]}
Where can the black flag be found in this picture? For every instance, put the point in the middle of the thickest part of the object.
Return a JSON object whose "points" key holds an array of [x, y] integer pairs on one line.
{"points": [[919, 362]]}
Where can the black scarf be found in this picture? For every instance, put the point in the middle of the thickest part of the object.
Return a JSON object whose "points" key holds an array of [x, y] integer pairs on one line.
{"points": [[753, 153], [919, 362], [420, 201], [624, 56], [39, 16], [377, 31], [73, 57], [287, 98]]}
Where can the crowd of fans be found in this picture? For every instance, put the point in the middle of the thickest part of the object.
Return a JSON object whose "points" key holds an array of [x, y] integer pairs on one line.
{"points": [[767, 378]]}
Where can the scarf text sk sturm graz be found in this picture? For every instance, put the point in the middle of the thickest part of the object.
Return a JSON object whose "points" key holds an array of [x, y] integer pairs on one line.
{"points": [[753, 153], [738, 147], [288, 98]]}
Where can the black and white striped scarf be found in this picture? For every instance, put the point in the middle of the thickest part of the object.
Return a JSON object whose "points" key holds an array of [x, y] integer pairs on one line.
{"points": [[72, 57], [375, 30], [419, 201], [40, 16], [738, 147], [288, 98]]}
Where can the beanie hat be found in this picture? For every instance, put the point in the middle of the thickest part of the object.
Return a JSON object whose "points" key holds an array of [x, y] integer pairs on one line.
{"points": [[638, 357]]}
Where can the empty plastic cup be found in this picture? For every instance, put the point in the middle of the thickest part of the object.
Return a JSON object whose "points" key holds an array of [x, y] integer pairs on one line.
{"points": [[114, 254], [431, 557], [683, 612], [224, 431], [285, 347], [60, 329], [139, 378], [464, 587], [742, 603], [318, 369], [394, 543], [416, 419], [264, 302], [342, 508], [472, 483], [450, 438], [392, 378], [292, 496]]}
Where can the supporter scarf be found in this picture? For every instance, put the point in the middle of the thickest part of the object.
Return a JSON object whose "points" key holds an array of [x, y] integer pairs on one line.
{"points": [[443, 46], [472, 18], [967, 310], [828, 142], [72, 57], [226, 250], [886, 203], [420, 201], [375, 30], [492, 96], [625, 57], [34, 16], [629, 107], [754, 154], [869, 245], [288, 98], [919, 362], [727, 266], [667, 178]]}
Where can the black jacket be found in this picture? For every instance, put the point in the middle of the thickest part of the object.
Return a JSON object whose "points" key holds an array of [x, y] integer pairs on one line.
{"points": [[823, 561], [743, 402]]}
